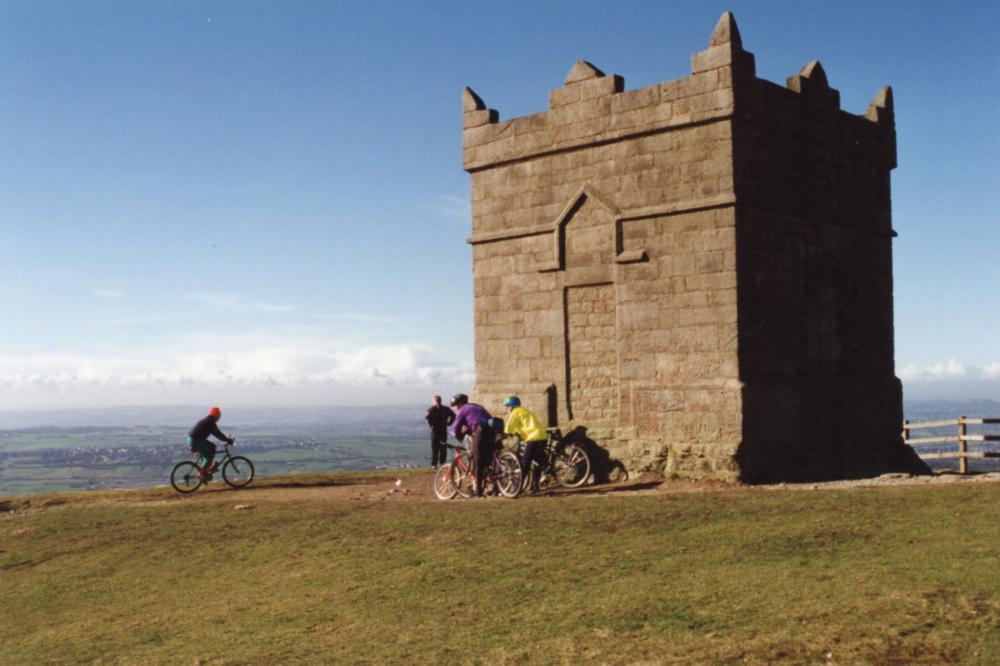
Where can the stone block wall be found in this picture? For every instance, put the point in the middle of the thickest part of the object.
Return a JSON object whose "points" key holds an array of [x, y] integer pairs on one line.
{"points": [[697, 272]]}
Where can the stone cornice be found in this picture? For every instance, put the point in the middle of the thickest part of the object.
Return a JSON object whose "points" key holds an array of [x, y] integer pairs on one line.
{"points": [[673, 208]]}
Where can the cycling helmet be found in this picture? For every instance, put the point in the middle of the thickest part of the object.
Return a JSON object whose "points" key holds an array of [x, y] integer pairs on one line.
{"points": [[512, 401], [215, 413], [459, 399]]}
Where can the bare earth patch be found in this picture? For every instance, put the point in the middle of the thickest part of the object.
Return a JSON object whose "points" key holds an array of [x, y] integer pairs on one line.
{"points": [[416, 486]]}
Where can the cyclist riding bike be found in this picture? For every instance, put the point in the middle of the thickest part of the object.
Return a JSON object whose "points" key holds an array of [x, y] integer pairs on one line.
{"points": [[199, 442], [473, 420], [525, 425]]}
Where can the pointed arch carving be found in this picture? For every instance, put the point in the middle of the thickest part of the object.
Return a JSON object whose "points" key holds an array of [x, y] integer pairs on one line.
{"points": [[576, 202]]}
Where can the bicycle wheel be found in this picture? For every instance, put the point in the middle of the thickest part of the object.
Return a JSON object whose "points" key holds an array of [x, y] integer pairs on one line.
{"points": [[508, 476], [444, 487], [185, 477], [572, 466], [238, 471], [462, 475]]}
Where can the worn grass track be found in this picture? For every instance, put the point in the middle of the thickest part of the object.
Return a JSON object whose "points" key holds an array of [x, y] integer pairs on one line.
{"points": [[324, 569]]}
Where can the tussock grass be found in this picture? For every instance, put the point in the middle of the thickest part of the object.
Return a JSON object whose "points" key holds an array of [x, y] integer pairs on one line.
{"points": [[887, 575]]}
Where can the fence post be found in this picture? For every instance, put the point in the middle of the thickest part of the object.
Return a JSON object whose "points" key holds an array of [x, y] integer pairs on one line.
{"points": [[963, 447]]}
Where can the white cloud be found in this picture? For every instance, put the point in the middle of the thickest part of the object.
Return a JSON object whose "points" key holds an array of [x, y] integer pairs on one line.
{"points": [[950, 369], [234, 303], [992, 371], [296, 364]]}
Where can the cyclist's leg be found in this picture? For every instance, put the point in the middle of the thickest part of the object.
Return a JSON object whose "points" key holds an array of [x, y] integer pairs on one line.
{"points": [[198, 446], [193, 446], [206, 450], [491, 452], [527, 472], [534, 452], [210, 455], [526, 458], [482, 454], [479, 462]]}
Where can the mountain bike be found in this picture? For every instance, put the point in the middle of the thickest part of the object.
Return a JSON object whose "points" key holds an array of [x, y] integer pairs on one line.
{"points": [[189, 475], [503, 475], [567, 463]]}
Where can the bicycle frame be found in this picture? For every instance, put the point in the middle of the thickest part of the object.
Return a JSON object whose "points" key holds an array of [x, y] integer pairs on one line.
{"points": [[199, 460], [555, 448], [495, 474], [553, 441], [492, 471], [457, 459]]}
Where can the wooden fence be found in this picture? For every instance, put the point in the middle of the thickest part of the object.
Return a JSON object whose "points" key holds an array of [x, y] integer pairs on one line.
{"points": [[962, 437]]}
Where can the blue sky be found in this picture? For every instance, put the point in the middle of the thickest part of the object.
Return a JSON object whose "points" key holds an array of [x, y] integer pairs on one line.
{"points": [[263, 202]]}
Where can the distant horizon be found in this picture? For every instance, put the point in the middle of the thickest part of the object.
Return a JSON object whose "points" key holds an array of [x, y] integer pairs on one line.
{"points": [[249, 415], [947, 381]]}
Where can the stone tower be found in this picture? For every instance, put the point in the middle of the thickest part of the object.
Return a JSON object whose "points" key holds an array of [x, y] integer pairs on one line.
{"points": [[698, 272]]}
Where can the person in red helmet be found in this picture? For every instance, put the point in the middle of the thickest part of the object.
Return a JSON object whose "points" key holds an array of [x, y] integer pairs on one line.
{"points": [[199, 442]]}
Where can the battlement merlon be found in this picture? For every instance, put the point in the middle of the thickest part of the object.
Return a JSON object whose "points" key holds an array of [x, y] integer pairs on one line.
{"points": [[592, 108]]}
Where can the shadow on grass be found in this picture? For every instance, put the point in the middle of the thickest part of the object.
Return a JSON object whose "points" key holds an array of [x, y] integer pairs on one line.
{"points": [[341, 479], [601, 489], [324, 483], [29, 502], [25, 564]]}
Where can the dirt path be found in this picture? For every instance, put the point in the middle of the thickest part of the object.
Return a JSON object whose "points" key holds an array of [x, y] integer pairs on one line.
{"points": [[407, 487], [416, 486]]}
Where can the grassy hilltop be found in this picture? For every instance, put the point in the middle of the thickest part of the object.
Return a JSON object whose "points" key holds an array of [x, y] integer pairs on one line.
{"points": [[340, 569]]}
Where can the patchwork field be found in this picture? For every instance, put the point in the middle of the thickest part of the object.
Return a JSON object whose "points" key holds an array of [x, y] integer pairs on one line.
{"points": [[45, 459]]}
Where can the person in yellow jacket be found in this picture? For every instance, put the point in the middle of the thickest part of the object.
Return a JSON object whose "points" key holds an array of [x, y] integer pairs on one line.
{"points": [[526, 425]]}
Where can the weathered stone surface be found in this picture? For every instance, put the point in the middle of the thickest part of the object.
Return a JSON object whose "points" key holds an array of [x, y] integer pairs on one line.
{"points": [[726, 32], [471, 101], [582, 71], [881, 109], [698, 273], [811, 81], [725, 49]]}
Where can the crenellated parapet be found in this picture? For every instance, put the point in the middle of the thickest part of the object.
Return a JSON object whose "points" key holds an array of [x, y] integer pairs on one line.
{"points": [[593, 107], [811, 82]]}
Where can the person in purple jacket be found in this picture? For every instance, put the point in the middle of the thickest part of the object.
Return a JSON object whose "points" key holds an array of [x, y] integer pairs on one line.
{"points": [[473, 420]]}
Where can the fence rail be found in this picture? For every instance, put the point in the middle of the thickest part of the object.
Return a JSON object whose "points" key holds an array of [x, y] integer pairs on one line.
{"points": [[962, 438]]}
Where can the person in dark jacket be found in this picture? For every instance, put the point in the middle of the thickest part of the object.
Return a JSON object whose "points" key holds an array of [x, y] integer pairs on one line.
{"points": [[439, 418], [199, 442]]}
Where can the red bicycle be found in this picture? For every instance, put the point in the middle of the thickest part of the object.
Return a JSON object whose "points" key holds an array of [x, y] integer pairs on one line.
{"points": [[503, 475]]}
